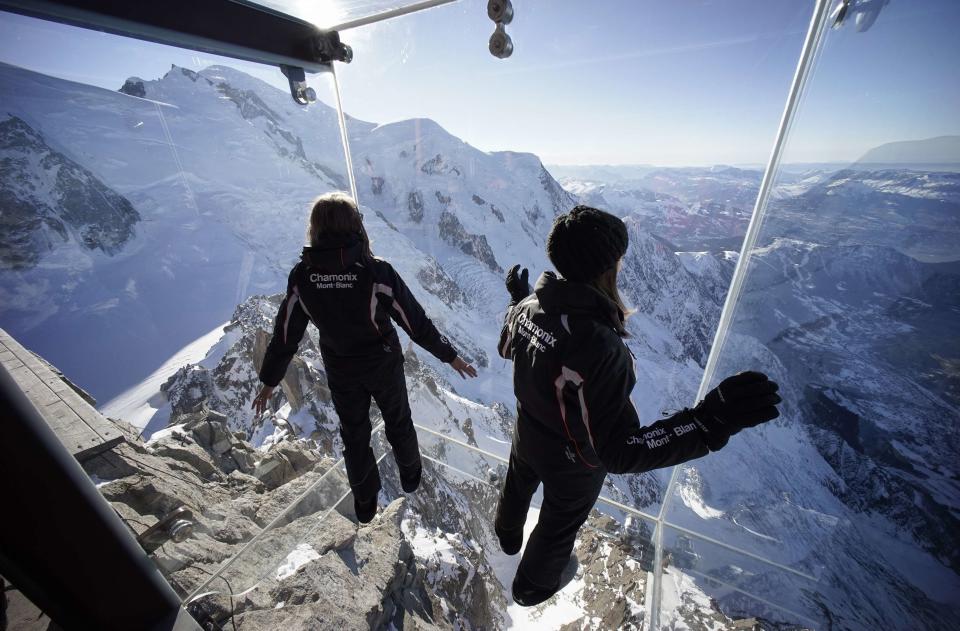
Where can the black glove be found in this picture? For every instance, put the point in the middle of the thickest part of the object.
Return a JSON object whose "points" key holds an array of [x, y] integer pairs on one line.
{"points": [[518, 284], [743, 400]]}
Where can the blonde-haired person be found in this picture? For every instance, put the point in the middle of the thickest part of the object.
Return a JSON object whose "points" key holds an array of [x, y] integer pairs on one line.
{"points": [[351, 296], [575, 421]]}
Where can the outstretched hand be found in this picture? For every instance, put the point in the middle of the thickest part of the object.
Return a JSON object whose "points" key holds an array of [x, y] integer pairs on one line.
{"points": [[518, 283], [743, 400], [259, 404], [462, 367]]}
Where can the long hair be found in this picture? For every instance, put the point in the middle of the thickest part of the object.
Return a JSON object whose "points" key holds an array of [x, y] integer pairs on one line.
{"points": [[606, 283], [336, 214]]}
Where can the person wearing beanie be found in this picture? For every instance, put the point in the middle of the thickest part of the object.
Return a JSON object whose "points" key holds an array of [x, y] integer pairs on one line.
{"points": [[351, 296], [572, 377]]}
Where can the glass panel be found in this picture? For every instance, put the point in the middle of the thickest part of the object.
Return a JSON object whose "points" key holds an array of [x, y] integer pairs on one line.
{"points": [[165, 326], [149, 223], [453, 202], [289, 539], [330, 14], [708, 581], [447, 550], [849, 301]]}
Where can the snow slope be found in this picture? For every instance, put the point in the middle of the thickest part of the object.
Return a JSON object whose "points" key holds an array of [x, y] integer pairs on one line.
{"points": [[854, 485]]}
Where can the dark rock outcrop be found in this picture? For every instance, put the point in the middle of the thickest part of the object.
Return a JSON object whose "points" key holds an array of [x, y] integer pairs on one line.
{"points": [[48, 200], [453, 233], [134, 87]]}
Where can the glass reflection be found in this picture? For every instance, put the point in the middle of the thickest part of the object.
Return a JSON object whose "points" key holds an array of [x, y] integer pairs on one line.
{"points": [[848, 302], [149, 223]]}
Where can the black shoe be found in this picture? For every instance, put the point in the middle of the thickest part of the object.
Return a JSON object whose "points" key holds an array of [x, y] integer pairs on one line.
{"points": [[529, 594], [411, 481], [366, 510], [510, 540]]}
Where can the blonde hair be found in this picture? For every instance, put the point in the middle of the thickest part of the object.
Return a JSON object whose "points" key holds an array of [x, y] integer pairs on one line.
{"points": [[336, 214], [606, 283]]}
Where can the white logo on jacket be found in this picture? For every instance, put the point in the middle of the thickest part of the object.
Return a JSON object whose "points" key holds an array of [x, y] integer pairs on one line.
{"points": [[538, 337], [333, 281]]}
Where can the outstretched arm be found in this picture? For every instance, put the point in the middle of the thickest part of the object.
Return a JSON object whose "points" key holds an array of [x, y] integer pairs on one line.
{"points": [[744, 400], [410, 316], [288, 329]]}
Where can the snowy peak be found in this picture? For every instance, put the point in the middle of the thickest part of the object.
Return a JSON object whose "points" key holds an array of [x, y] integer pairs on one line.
{"points": [[694, 208], [493, 207], [222, 97], [50, 201]]}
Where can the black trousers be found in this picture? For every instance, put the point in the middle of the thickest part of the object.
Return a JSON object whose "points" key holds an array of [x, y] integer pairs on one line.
{"points": [[352, 385], [570, 490]]}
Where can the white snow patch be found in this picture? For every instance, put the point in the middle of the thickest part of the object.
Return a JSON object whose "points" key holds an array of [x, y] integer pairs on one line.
{"points": [[693, 500], [298, 557], [98, 481], [140, 404]]}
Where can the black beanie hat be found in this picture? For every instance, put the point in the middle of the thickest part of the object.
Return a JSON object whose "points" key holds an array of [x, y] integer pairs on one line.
{"points": [[586, 242]]}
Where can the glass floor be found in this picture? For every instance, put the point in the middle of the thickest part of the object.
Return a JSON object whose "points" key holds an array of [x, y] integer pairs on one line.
{"points": [[446, 548]]}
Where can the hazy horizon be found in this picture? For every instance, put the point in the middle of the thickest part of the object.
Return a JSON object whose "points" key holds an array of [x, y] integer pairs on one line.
{"points": [[625, 83]]}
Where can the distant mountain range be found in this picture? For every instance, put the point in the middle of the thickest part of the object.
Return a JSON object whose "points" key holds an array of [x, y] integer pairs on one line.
{"points": [[137, 221]]}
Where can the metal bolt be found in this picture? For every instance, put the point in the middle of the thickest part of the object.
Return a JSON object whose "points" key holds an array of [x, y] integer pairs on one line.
{"points": [[180, 530]]}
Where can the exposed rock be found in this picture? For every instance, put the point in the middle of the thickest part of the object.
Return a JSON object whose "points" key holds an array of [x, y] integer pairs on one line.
{"points": [[134, 87], [364, 578], [415, 206], [49, 200], [453, 233], [230, 385], [18, 613], [534, 214], [614, 579], [284, 462], [250, 104], [560, 200], [437, 165], [435, 280]]}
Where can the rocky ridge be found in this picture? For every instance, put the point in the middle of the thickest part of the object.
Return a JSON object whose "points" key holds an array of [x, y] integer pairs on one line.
{"points": [[49, 201]]}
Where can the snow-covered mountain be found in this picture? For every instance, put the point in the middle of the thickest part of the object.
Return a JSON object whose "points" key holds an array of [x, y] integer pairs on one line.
{"points": [[856, 485], [693, 208], [52, 203], [915, 212], [196, 187]]}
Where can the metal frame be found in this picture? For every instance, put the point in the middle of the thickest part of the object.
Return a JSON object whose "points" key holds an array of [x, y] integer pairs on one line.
{"points": [[811, 46], [220, 27], [62, 544], [110, 566], [392, 13]]}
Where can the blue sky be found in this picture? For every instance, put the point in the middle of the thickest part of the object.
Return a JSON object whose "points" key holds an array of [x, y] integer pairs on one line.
{"points": [[688, 82]]}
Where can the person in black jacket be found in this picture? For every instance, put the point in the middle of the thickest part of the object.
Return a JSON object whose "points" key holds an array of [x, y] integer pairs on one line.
{"points": [[572, 377], [350, 296]]}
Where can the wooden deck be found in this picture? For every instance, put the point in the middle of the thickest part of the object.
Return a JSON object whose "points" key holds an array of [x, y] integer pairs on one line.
{"points": [[82, 430]]}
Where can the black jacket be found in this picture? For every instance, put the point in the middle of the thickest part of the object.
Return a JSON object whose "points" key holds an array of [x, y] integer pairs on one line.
{"points": [[573, 376], [350, 298]]}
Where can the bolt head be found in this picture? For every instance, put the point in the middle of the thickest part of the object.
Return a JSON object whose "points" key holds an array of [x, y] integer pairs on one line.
{"points": [[180, 530]]}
